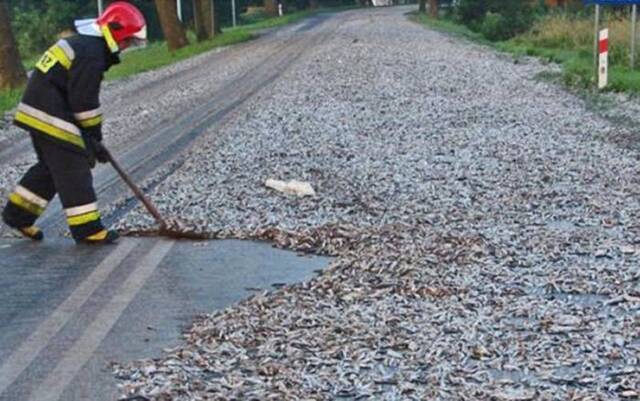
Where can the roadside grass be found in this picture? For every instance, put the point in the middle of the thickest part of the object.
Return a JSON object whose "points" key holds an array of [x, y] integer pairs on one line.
{"points": [[449, 26], [259, 20], [566, 40], [156, 55]]}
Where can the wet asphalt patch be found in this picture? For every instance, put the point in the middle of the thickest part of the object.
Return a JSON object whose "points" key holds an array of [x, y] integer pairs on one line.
{"points": [[68, 311]]}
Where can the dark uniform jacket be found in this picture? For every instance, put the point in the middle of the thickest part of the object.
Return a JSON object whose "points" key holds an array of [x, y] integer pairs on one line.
{"points": [[62, 99]]}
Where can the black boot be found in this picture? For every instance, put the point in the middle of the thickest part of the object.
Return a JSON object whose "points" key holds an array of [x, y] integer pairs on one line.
{"points": [[31, 232]]}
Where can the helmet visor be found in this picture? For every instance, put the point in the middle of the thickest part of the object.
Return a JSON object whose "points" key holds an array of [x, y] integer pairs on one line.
{"points": [[141, 34], [138, 40]]}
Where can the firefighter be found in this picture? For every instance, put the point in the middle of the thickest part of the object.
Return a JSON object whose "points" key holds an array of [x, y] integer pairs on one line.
{"points": [[61, 111]]}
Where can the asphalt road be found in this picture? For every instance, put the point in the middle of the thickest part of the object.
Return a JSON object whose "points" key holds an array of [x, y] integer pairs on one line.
{"points": [[67, 311]]}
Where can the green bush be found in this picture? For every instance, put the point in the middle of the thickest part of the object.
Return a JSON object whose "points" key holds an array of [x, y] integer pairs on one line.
{"points": [[494, 27], [496, 19], [471, 12], [37, 25]]}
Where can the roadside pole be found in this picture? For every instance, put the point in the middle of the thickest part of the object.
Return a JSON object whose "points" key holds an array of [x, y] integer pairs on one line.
{"points": [[596, 40], [179, 7], [634, 20], [100, 7], [603, 59], [233, 12]]}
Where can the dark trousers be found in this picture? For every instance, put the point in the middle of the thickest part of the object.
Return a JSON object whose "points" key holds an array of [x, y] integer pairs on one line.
{"points": [[62, 171]]}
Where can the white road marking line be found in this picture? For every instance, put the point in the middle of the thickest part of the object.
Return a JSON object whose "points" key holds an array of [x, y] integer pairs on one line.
{"points": [[76, 357], [21, 358]]}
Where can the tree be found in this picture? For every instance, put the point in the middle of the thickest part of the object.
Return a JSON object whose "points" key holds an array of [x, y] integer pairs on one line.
{"points": [[12, 74], [433, 8], [205, 21], [173, 30], [199, 21], [422, 8]]}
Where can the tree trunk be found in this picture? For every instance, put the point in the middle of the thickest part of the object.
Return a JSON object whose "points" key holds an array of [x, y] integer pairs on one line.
{"points": [[313, 4], [173, 30], [199, 21], [433, 8], [422, 9], [12, 74], [271, 7], [205, 19]]}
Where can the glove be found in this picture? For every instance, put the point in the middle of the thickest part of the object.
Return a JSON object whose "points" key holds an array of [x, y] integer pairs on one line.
{"points": [[97, 151], [91, 157]]}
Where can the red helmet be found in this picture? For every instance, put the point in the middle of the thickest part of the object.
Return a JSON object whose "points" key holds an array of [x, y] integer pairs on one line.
{"points": [[122, 23]]}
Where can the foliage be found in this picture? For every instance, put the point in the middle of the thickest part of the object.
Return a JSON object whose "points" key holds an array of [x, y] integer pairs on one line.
{"points": [[566, 39], [494, 27], [9, 99], [36, 25], [496, 19], [156, 55], [575, 32], [448, 25], [471, 12]]}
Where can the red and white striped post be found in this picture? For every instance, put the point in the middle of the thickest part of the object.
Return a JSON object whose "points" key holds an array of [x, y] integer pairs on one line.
{"points": [[603, 63]]}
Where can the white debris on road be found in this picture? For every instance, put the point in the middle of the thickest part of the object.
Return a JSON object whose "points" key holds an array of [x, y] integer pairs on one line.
{"points": [[292, 187]]}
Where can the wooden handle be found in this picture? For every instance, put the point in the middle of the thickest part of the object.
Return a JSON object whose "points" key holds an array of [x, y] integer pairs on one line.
{"points": [[139, 194]]}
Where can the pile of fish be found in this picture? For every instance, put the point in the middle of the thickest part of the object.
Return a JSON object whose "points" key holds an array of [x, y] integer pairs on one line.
{"points": [[484, 224]]}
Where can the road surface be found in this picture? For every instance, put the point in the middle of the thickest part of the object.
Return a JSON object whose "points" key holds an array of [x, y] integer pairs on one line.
{"points": [[68, 311]]}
